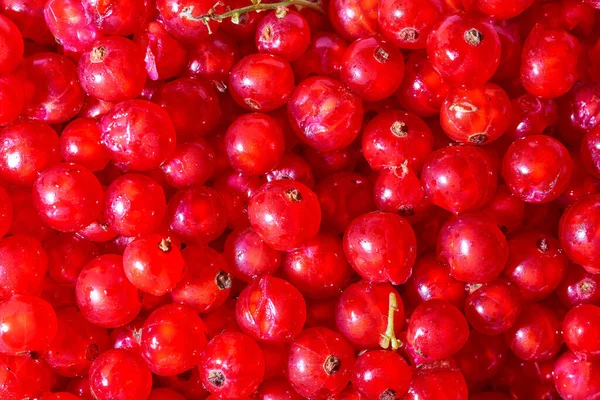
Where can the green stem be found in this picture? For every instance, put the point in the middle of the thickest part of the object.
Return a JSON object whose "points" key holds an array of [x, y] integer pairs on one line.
{"points": [[388, 339]]}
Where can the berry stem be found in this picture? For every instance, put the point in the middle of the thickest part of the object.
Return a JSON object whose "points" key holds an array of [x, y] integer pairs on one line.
{"points": [[256, 6], [389, 337]]}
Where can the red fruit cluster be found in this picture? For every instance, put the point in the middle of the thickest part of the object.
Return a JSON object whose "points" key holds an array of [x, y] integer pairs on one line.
{"points": [[299, 199]]}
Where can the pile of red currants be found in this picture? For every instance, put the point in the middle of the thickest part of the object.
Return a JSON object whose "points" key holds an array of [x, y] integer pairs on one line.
{"points": [[289, 199]]}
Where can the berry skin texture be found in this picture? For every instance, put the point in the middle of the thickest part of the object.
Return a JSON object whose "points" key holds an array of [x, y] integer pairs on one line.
{"points": [[271, 309], [550, 62], [285, 214], [173, 338], [255, 144], [590, 156], [578, 232], [112, 69], [104, 295], [502, 9], [232, 365], [80, 144], [373, 68], [261, 82], [581, 331], [494, 307], [191, 164], [353, 19], [437, 330], [324, 114], [437, 383], [12, 99], [406, 23], [287, 37], [28, 324], [23, 265], [459, 178], [183, 28], [120, 374], [381, 247], [537, 169], [249, 257], [396, 138], [474, 247], [68, 23], [320, 363], [165, 57], [381, 375], [476, 116], [11, 43], [138, 135], [68, 197], [575, 378], [579, 287], [464, 50]]}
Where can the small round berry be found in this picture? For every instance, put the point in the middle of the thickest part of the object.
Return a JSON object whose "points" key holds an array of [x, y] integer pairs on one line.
{"points": [[579, 287], [248, 256], [191, 164], [575, 378], [581, 331], [408, 23], [12, 45], [120, 374], [494, 307], [323, 57], [287, 37], [381, 374], [80, 143], [579, 234], [67, 255], [232, 365], [177, 16], [23, 265], [438, 383], [502, 9], [12, 98], [168, 56], [69, 24], [353, 19]]}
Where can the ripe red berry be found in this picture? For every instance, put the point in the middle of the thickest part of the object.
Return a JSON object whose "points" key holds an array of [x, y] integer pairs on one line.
{"points": [[67, 255], [12, 99], [575, 378], [408, 24], [12, 45], [437, 382], [578, 232], [80, 143], [353, 19], [287, 36], [119, 373], [166, 57], [579, 287], [581, 331], [191, 164], [370, 381], [175, 15], [23, 265], [494, 307]]}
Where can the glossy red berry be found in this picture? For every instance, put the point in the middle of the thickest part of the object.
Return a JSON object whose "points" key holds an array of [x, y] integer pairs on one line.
{"points": [[578, 232], [399, 189], [177, 16], [464, 49], [191, 164], [134, 205], [396, 138], [353, 19], [362, 313], [138, 135], [104, 295], [381, 375], [276, 388], [459, 178], [67, 255], [173, 337], [292, 166], [373, 68], [579, 287], [506, 210], [12, 45], [164, 57], [325, 114], [523, 174], [271, 309], [119, 373], [550, 62], [287, 36], [23, 264], [212, 58], [248, 256], [24, 376], [12, 98], [580, 329], [323, 57], [69, 24], [575, 378], [437, 382], [535, 336], [494, 307], [80, 143], [68, 197], [477, 115], [232, 365], [381, 247], [320, 363], [408, 24]]}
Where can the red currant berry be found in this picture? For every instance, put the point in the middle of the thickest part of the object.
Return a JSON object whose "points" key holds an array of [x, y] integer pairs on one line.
{"points": [[381, 374], [287, 36], [69, 24], [503, 9], [248, 256], [23, 264], [581, 331], [353, 19], [212, 58], [120, 374], [165, 57], [178, 18], [579, 287], [11, 42], [398, 189], [191, 164], [80, 143], [494, 307], [437, 383], [506, 210], [236, 190], [575, 378], [323, 57], [24, 376], [232, 365], [292, 166], [117, 17], [12, 98], [67, 255], [408, 24], [276, 388], [28, 16]]}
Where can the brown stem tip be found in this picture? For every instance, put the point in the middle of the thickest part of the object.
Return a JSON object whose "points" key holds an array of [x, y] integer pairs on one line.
{"points": [[409, 35], [332, 365], [473, 37], [216, 378], [293, 195], [478, 138], [388, 394], [543, 245], [381, 55], [223, 280], [165, 245], [98, 54], [399, 129]]}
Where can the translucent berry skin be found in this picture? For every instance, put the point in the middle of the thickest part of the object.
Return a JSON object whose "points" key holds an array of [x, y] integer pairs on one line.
{"points": [[579, 287], [197, 215], [80, 143], [325, 114], [530, 116], [287, 37], [381, 247], [370, 380], [507, 210], [67, 255], [181, 99], [236, 190], [581, 331], [12, 99], [24, 376], [248, 256], [271, 309], [323, 57], [261, 82], [212, 58], [536, 334], [12, 45], [76, 344], [464, 49], [318, 269], [423, 89], [23, 264], [477, 115], [112, 69], [104, 295], [138, 135], [134, 205], [579, 110], [437, 383], [191, 164], [373, 68], [153, 263], [474, 247], [590, 156], [536, 265], [68, 197], [183, 28], [232, 365], [459, 178], [408, 24], [28, 16], [537, 168], [276, 388], [575, 378], [6, 211], [173, 338], [320, 363], [285, 214], [494, 307], [29, 324], [165, 56], [353, 19], [206, 284], [120, 374], [255, 144], [361, 313], [68, 22], [503, 9], [578, 232], [399, 189], [52, 92], [292, 166], [394, 138], [549, 62]]}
